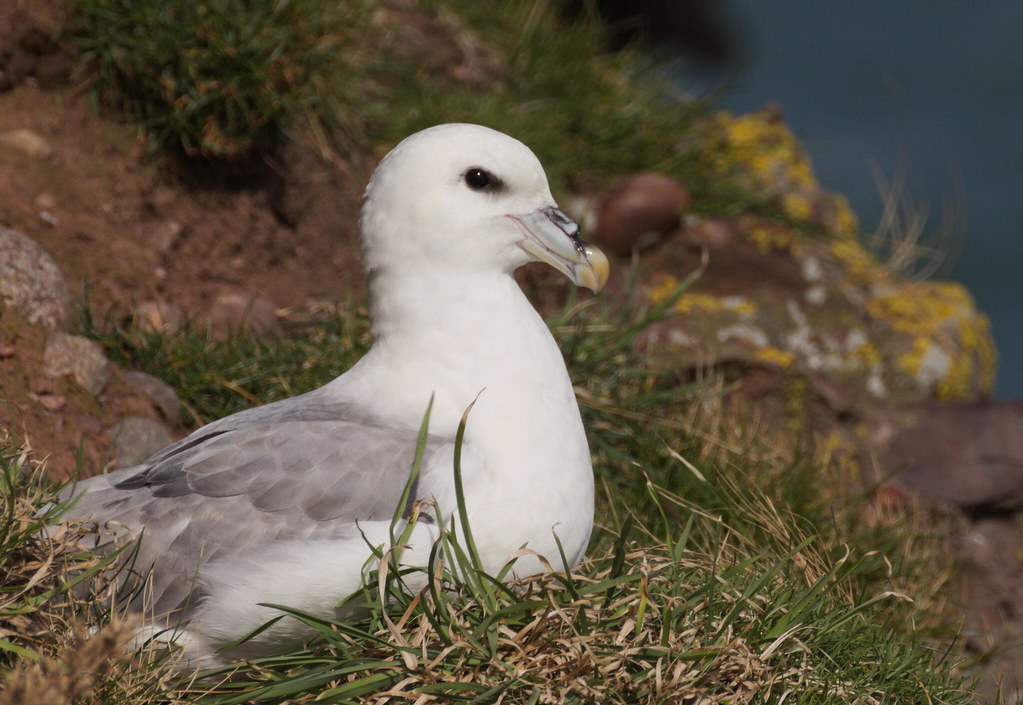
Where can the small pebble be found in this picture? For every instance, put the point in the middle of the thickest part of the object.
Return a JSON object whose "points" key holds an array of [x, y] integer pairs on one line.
{"points": [[158, 316], [51, 402], [235, 311], [709, 233], [45, 201], [27, 142], [161, 394], [164, 236]]}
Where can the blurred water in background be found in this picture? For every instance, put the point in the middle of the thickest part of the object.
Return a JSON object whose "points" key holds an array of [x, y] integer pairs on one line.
{"points": [[930, 87]]}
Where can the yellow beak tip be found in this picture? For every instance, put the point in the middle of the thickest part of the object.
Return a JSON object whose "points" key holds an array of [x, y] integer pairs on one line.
{"points": [[595, 275]]}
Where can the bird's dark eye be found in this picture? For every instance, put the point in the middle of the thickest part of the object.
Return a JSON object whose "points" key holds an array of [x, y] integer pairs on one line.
{"points": [[479, 179]]}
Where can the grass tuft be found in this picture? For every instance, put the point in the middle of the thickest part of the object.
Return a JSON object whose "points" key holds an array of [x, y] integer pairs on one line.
{"points": [[222, 78]]}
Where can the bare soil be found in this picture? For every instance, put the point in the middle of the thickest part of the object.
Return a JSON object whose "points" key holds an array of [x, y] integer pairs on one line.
{"points": [[127, 228]]}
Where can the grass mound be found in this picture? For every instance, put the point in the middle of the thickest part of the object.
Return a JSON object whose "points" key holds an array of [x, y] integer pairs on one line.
{"points": [[653, 620], [718, 581]]}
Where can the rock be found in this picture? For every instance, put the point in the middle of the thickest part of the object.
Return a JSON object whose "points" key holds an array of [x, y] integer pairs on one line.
{"points": [[136, 438], [163, 236], [45, 201], [50, 402], [28, 142], [161, 394], [239, 311], [161, 198], [31, 282], [710, 233], [74, 355], [822, 309], [968, 454], [640, 213], [158, 316], [88, 423]]}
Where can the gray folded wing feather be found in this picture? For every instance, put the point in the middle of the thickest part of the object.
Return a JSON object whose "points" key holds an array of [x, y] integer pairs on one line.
{"points": [[296, 469]]}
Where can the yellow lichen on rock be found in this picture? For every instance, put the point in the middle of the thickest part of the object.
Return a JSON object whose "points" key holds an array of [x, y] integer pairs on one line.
{"points": [[744, 307], [818, 299], [951, 350], [690, 301], [797, 205], [759, 151], [866, 353], [861, 265], [770, 236], [699, 302], [664, 286], [775, 356], [762, 145], [844, 222]]}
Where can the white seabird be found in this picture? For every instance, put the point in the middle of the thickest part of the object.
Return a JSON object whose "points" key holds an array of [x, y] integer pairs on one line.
{"points": [[276, 504]]}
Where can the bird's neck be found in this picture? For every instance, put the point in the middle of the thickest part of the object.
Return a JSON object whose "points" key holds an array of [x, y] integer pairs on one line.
{"points": [[455, 335]]}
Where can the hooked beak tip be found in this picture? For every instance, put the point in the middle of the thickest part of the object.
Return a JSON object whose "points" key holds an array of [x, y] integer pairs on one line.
{"points": [[553, 237], [595, 272]]}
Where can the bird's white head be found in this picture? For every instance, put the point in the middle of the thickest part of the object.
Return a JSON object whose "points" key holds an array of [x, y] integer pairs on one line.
{"points": [[467, 197]]}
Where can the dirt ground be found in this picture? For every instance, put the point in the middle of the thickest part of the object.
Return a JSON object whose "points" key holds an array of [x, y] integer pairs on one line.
{"points": [[125, 228]]}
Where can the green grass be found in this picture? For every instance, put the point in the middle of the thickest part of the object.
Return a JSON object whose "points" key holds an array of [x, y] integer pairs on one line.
{"points": [[215, 379], [730, 579], [221, 78], [229, 78]]}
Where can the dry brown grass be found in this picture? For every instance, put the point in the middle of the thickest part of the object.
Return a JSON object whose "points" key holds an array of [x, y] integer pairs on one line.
{"points": [[565, 662], [82, 671], [58, 641]]}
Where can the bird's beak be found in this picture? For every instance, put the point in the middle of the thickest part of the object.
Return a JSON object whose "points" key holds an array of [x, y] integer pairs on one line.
{"points": [[552, 237]]}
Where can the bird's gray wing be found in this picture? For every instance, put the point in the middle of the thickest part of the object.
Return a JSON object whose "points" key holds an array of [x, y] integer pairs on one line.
{"points": [[282, 472]]}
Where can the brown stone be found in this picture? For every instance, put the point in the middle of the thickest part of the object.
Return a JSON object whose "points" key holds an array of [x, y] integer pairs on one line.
{"points": [[640, 213], [77, 356], [160, 394], [968, 454], [51, 402], [240, 311], [28, 142], [159, 316], [45, 201]]}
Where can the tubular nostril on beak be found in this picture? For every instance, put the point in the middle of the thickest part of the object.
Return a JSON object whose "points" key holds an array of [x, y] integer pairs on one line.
{"points": [[564, 223]]}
